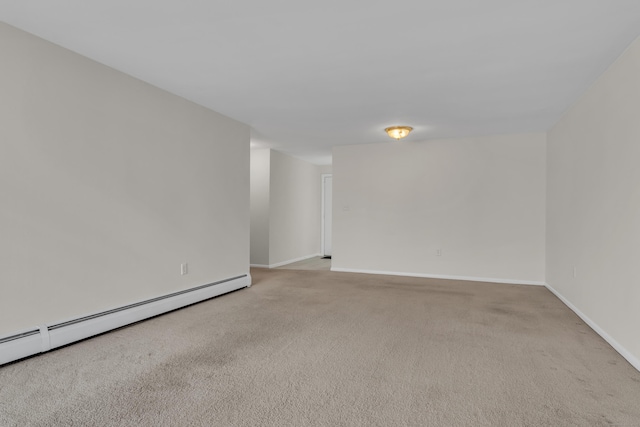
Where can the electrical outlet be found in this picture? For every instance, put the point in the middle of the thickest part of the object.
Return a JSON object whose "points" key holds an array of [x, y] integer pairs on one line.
{"points": [[438, 252], [184, 268]]}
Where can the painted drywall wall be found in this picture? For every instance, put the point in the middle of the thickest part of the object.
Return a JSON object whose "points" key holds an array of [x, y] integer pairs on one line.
{"points": [[108, 184], [325, 169], [294, 208], [260, 175], [286, 204], [593, 203], [480, 201]]}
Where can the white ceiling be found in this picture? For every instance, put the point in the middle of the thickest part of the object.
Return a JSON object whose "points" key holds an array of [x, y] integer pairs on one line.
{"points": [[308, 75]]}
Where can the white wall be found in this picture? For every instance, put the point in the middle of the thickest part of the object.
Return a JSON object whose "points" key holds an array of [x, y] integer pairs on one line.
{"points": [[593, 203], [481, 201], [107, 185], [260, 176], [285, 208], [325, 169], [295, 204]]}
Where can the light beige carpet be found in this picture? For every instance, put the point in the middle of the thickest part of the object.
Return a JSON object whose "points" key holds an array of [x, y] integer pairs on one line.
{"points": [[315, 263], [305, 348]]}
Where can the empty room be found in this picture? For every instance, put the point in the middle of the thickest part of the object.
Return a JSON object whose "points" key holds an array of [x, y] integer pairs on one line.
{"points": [[409, 213]]}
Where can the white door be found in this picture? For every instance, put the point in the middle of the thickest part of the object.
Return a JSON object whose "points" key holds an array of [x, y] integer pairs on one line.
{"points": [[327, 182]]}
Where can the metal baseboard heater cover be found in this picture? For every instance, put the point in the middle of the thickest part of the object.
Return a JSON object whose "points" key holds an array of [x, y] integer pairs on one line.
{"points": [[46, 337]]}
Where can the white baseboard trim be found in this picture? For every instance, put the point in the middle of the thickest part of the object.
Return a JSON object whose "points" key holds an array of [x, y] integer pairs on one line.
{"points": [[46, 337], [280, 264], [634, 361], [441, 276]]}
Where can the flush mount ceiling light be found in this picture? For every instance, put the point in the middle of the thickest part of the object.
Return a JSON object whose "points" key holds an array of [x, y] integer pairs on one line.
{"points": [[398, 132]]}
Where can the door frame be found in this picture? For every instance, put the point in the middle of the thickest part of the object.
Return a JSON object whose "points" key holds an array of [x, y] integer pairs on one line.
{"points": [[322, 212]]}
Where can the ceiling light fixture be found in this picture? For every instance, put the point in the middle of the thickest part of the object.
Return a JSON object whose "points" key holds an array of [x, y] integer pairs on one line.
{"points": [[398, 132]]}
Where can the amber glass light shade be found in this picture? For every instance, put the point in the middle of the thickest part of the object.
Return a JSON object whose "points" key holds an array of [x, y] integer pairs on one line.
{"points": [[398, 132]]}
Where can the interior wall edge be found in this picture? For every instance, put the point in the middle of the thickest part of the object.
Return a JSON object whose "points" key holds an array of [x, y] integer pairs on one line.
{"points": [[634, 361], [290, 261], [440, 276], [19, 345]]}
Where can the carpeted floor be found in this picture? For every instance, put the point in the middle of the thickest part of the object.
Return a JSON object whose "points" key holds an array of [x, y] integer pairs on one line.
{"points": [[303, 348], [315, 263]]}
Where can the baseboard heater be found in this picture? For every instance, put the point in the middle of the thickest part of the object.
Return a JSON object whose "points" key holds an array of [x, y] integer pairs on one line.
{"points": [[47, 337]]}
